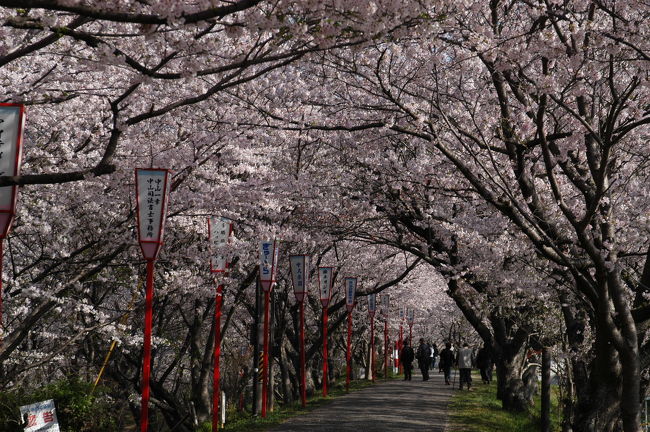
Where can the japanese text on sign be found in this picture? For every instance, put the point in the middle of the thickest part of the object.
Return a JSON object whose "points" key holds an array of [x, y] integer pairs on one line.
{"points": [[40, 416], [151, 203], [372, 303], [385, 298], [350, 291], [410, 316], [268, 263], [220, 230], [325, 282], [299, 275], [10, 125]]}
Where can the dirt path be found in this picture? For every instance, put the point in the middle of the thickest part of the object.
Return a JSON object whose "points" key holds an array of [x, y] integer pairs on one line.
{"points": [[393, 406]]}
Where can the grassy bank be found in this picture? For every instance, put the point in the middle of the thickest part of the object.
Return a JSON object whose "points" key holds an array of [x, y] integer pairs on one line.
{"points": [[480, 411]]}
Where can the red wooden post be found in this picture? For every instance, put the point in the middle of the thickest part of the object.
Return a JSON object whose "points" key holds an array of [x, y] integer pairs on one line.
{"points": [[299, 278], [2, 328], [372, 347], [268, 266], [303, 384], [217, 355], [386, 348], [152, 189], [348, 355], [325, 376], [146, 364], [400, 345], [265, 355]]}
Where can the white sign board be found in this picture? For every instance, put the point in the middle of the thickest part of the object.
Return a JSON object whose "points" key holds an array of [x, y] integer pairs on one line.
{"points": [[298, 265], [350, 292], [325, 284], [372, 304], [11, 133], [385, 298], [268, 263], [401, 313], [219, 232], [410, 316], [152, 191], [40, 416]]}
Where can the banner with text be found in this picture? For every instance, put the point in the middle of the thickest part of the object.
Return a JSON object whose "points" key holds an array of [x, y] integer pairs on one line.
{"points": [[268, 263], [219, 232], [12, 122], [325, 275], [299, 275], [152, 191], [372, 304], [350, 292]]}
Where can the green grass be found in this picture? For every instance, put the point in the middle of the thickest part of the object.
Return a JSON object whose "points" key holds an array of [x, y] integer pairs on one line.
{"points": [[243, 422], [480, 411]]}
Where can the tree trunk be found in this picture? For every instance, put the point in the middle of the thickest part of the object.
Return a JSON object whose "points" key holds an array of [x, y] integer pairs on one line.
{"points": [[597, 408], [546, 390]]}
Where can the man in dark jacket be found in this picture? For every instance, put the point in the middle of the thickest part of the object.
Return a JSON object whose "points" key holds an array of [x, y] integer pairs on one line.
{"points": [[446, 362], [424, 359], [485, 363], [406, 357]]}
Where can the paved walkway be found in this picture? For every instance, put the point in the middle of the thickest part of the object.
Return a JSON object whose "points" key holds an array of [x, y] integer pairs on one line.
{"points": [[392, 406]]}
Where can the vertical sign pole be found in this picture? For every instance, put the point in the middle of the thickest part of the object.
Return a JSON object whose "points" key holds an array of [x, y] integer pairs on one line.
{"points": [[386, 348], [152, 190], [372, 347], [299, 276], [400, 344], [325, 376], [219, 232], [303, 383], [411, 334], [146, 365], [325, 288], [2, 328], [268, 263], [265, 354], [348, 356], [218, 303]]}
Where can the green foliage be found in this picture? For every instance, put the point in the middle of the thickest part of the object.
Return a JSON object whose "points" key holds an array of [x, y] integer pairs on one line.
{"points": [[480, 411], [77, 410]]}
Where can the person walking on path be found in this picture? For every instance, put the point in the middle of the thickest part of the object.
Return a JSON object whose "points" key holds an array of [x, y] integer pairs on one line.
{"points": [[484, 363], [446, 362], [465, 366], [424, 359], [434, 355], [407, 356]]}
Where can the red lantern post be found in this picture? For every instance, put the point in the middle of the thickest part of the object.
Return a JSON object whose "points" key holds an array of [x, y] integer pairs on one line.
{"points": [[325, 279], [385, 299], [350, 284], [219, 232], [299, 277], [268, 265], [400, 343], [152, 191], [12, 121], [372, 307]]}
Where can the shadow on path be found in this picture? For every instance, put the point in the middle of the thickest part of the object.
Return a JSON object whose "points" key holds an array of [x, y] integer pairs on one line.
{"points": [[392, 406]]}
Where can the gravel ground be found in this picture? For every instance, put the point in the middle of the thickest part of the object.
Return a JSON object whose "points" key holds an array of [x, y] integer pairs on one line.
{"points": [[393, 406]]}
